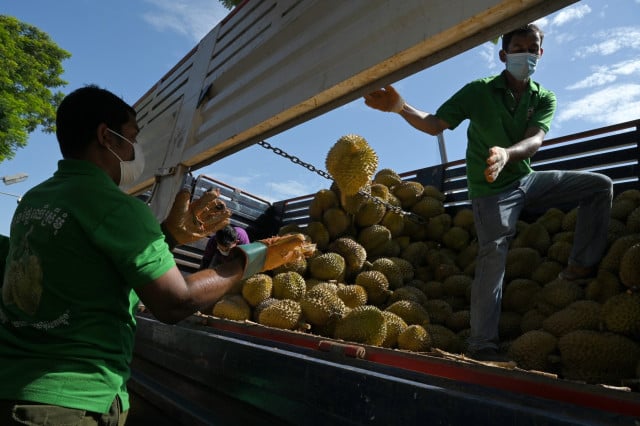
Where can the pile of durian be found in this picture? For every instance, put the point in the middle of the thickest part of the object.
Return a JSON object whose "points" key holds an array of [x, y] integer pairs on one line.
{"points": [[385, 279]]}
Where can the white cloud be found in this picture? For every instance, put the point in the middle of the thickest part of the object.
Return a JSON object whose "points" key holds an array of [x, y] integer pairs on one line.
{"points": [[288, 189], [191, 18], [542, 22], [599, 78], [564, 38], [608, 74], [615, 104], [570, 14], [488, 53], [613, 40], [235, 180]]}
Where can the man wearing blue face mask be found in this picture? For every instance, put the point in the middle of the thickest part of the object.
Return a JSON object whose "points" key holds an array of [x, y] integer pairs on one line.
{"points": [[509, 115], [82, 254]]}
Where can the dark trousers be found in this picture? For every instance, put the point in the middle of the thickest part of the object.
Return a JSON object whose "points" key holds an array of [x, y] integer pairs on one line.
{"points": [[33, 414]]}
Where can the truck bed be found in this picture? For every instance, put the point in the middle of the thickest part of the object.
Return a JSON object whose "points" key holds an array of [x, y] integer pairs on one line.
{"points": [[211, 371], [206, 370]]}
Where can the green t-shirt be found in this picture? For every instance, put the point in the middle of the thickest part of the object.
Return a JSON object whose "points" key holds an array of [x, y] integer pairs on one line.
{"points": [[495, 120], [78, 248], [4, 251]]}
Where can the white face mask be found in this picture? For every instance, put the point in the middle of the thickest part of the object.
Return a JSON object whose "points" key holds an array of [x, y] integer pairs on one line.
{"points": [[521, 65], [227, 251], [129, 170]]}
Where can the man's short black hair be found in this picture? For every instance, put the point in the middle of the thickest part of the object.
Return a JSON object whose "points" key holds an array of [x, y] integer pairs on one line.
{"points": [[529, 28], [226, 236], [82, 111]]}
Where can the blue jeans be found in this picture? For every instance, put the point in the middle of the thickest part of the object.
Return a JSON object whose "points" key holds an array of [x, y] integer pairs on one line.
{"points": [[495, 220]]}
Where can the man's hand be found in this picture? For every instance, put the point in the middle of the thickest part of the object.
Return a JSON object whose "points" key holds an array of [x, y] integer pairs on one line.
{"points": [[268, 254], [286, 249], [188, 222], [387, 100], [496, 161]]}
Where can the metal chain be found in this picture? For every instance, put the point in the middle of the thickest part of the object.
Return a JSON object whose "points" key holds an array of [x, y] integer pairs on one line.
{"points": [[295, 160], [310, 167]]}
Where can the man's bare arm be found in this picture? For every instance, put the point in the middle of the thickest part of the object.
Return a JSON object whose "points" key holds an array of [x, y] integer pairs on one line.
{"points": [[172, 297]]}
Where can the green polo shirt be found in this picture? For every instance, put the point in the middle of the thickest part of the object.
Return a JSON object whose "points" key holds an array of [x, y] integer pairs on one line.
{"points": [[78, 248], [4, 251], [495, 120]]}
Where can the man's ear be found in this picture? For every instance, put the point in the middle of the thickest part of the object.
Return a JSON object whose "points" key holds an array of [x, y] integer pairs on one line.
{"points": [[541, 50], [502, 55], [103, 134]]}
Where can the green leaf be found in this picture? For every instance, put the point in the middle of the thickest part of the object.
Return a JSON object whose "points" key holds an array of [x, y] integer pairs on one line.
{"points": [[31, 70]]}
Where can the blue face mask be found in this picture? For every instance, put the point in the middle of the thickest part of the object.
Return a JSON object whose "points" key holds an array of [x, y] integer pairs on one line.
{"points": [[521, 65]]}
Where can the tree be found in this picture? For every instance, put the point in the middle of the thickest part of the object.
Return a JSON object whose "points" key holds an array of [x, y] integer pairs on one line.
{"points": [[230, 4], [31, 67]]}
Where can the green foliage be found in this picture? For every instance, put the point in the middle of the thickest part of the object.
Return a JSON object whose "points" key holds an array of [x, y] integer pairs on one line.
{"points": [[31, 67], [230, 4]]}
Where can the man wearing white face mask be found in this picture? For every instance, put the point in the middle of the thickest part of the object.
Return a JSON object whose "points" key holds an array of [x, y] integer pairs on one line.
{"points": [[132, 169], [220, 245], [509, 115], [82, 254]]}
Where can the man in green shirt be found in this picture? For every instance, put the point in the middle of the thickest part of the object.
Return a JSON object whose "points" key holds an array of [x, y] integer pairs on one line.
{"points": [[509, 115], [81, 255]]}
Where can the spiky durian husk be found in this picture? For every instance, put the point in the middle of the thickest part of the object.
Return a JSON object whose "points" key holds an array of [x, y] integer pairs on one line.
{"points": [[283, 314], [318, 233], [351, 163], [520, 295], [257, 288], [410, 311], [387, 177], [459, 320], [353, 253], [322, 201], [408, 293], [439, 310], [534, 236], [320, 305], [352, 295], [621, 314], [376, 284], [370, 213], [598, 357], [630, 267], [427, 207], [363, 324], [390, 270], [395, 326], [233, 307], [289, 285], [580, 315], [327, 266], [443, 338], [414, 338], [521, 262], [532, 350]]}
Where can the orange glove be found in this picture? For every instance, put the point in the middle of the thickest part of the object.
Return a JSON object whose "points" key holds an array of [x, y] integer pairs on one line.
{"points": [[387, 100], [190, 221], [496, 161], [268, 254]]}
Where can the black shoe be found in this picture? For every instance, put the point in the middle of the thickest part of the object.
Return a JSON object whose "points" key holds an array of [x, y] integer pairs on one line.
{"points": [[487, 355]]}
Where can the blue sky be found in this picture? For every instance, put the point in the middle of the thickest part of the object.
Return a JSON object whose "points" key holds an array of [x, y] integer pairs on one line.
{"points": [[591, 60]]}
